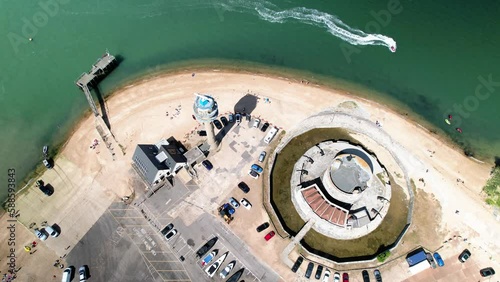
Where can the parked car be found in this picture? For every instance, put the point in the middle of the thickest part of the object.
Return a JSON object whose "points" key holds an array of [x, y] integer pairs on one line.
{"points": [[430, 259], [309, 270], [345, 277], [257, 168], [238, 118], [67, 274], [46, 163], [43, 188], [438, 259], [202, 133], [52, 232], [378, 276], [485, 272], [264, 127], [465, 255], [297, 264], [248, 117], [256, 123], [171, 234], [217, 124], [224, 121], [234, 202], [269, 235], [246, 203], [231, 118], [262, 156], [253, 174], [83, 272], [366, 276], [319, 270], [167, 228], [262, 227], [336, 276], [207, 164], [244, 187], [41, 234]]}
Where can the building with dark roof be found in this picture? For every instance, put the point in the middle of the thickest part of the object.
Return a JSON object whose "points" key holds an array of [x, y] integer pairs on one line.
{"points": [[157, 162]]}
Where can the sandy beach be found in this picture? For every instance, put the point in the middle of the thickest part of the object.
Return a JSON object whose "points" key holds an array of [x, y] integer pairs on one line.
{"points": [[161, 107]]}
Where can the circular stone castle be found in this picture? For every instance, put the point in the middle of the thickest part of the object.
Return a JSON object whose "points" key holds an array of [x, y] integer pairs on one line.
{"points": [[342, 188]]}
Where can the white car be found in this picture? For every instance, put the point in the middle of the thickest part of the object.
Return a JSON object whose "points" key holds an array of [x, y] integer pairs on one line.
{"points": [[256, 123], [171, 234], [336, 277], [246, 203], [253, 174], [41, 234], [52, 232]]}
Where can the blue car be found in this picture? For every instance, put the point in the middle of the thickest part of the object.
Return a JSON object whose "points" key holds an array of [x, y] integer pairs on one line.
{"points": [[257, 168], [438, 259]]}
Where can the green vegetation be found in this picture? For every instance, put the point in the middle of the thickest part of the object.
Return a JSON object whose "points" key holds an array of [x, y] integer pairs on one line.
{"points": [[383, 256], [492, 188], [386, 233]]}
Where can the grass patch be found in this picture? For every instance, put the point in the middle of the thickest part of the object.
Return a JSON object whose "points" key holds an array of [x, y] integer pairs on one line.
{"points": [[283, 167], [378, 240], [383, 256], [492, 188]]}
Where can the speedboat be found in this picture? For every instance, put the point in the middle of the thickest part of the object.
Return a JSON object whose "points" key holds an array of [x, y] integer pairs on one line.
{"points": [[227, 270], [393, 49], [209, 257], [205, 248], [216, 265], [236, 276]]}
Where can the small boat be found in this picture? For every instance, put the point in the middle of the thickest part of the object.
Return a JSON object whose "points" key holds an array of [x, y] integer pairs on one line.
{"points": [[205, 248], [450, 117], [459, 129], [45, 150], [236, 276], [447, 121], [216, 265], [209, 257], [227, 269], [393, 49]]}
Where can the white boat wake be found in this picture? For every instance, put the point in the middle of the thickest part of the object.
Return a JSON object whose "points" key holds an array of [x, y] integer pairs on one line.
{"points": [[269, 12]]}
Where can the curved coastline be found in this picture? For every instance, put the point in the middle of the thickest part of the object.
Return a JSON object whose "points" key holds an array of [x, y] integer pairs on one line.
{"points": [[326, 83]]}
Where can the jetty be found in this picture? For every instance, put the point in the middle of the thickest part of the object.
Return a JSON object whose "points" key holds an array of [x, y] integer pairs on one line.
{"points": [[89, 80], [102, 67]]}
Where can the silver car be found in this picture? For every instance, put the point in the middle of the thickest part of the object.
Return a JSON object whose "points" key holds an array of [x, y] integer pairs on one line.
{"points": [[262, 156], [41, 234]]}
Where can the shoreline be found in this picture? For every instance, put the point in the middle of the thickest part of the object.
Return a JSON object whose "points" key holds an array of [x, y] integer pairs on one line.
{"points": [[255, 69]]}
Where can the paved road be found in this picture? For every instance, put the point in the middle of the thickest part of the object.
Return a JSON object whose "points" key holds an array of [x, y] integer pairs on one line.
{"points": [[123, 246]]}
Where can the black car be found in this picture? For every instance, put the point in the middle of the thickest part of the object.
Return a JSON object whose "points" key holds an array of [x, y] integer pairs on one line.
{"points": [[319, 270], [202, 133], [167, 228], [485, 272], [44, 188], [264, 127], [207, 164], [249, 117], [262, 227], [238, 118], [224, 121], [309, 270], [244, 187], [217, 124], [378, 276], [297, 264], [366, 276], [465, 255]]}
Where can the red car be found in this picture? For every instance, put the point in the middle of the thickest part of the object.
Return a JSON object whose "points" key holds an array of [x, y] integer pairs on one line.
{"points": [[345, 277], [269, 236]]}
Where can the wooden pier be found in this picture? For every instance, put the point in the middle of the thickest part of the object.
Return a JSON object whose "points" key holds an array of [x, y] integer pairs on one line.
{"points": [[99, 70]]}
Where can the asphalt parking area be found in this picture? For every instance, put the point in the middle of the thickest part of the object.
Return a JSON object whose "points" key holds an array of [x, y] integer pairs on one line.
{"points": [[122, 246]]}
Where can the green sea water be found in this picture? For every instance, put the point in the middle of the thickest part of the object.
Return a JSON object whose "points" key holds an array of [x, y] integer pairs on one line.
{"points": [[446, 50]]}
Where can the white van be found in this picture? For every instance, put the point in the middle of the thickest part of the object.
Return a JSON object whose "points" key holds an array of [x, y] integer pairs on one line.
{"points": [[67, 273], [270, 135]]}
